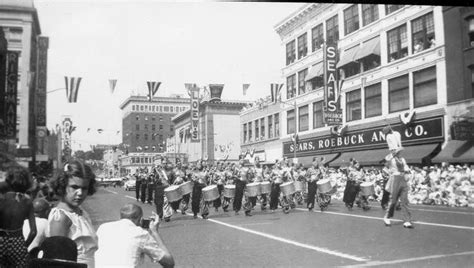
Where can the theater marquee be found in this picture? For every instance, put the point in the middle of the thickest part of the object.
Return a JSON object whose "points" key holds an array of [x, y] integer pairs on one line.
{"points": [[423, 131]]}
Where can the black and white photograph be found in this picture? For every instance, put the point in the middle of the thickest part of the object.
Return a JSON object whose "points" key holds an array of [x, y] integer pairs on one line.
{"points": [[199, 133]]}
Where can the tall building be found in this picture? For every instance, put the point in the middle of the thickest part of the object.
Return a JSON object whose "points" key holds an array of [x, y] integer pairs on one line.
{"points": [[395, 65], [22, 104], [145, 127]]}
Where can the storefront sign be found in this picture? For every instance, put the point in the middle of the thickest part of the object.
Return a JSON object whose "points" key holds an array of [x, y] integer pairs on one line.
{"points": [[423, 131], [463, 130], [41, 74], [332, 112], [194, 92], [8, 126]]}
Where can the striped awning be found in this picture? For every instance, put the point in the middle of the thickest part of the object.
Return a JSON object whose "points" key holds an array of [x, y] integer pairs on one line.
{"points": [[348, 56], [315, 71], [368, 48]]}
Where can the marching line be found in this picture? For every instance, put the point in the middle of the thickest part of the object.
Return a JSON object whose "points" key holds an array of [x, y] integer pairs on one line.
{"points": [[288, 241], [378, 263], [378, 218]]}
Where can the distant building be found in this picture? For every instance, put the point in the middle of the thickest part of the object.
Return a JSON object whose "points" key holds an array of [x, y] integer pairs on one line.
{"points": [[398, 68], [20, 31], [219, 133], [112, 162], [145, 127]]}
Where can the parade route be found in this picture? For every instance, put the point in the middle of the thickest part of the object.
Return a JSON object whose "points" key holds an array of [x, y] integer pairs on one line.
{"points": [[336, 237]]}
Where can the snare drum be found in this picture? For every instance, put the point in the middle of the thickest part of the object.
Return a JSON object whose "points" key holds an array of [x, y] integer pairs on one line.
{"points": [[324, 186], [252, 189], [173, 193], [367, 188], [229, 191], [287, 188], [210, 193], [265, 187], [186, 187], [299, 186]]}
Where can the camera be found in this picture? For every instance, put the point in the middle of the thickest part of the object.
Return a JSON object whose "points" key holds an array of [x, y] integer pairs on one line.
{"points": [[146, 223]]}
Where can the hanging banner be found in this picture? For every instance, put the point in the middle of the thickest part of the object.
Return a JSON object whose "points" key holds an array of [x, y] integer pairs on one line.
{"points": [[332, 112], [41, 75], [9, 116], [194, 91]]}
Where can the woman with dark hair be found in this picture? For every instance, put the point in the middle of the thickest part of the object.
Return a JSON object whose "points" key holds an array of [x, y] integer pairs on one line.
{"points": [[15, 207], [72, 186]]}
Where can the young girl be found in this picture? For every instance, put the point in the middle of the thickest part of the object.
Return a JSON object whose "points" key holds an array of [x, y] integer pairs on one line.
{"points": [[67, 219], [15, 207]]}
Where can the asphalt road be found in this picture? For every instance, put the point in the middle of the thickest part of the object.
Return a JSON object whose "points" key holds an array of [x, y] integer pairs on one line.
{"points": [[442, 237]]}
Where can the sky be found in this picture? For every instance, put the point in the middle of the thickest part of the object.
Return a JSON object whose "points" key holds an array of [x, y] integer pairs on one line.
{"points": [[172, 42]]}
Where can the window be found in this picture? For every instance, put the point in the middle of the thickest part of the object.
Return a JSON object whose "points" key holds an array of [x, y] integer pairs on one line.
{"points": [[138, 117], [153, 127], [290, 52], [353, 105], [145, 136], [392, 8], [470, 30], [370, 13], [257, 136], [153, 118], [137, 136], [250, 131], [160, 127], [277, 124], [262, 128], [146, 126], [160, 108], [302, 81], [373, 100], [423, 34], [166, 109], [133, 107], [317, 38], [332, 30], [303, 118], [424, 87], [153, 108], [318, 114], [137, 127], [171, 108], [290, 122], [397, 43], [302, 46], [291, 86], [160, 138], [270, 126], [398, 95], [351, 19], [153, 136], [161, 117], [141, 108], [245, 132]]}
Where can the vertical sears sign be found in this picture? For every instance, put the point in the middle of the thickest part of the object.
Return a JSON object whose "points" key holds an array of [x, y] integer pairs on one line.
{"points": [[332, 112], [194, 92]]}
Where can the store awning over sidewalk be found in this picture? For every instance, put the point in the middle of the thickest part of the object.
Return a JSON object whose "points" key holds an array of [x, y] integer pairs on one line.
{"points": [[315, 71], [456, 152], [307, 161], [348, 56], [412, 154], [370, 47]]}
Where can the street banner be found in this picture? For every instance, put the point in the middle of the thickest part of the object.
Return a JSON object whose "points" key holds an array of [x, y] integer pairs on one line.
{"points": [[41, 77], [194, 92], [72, 88], [112, 84], [332, 112], [152, 89], [275, 92], [216, 91], [245, 87], [8, 119]]}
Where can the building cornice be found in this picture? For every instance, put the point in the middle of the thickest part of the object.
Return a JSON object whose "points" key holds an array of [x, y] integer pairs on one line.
{"points": [[23, 7], [299, 17], [144, 99]]}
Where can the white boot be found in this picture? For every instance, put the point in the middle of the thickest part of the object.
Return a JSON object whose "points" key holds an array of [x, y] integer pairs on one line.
{"points": [[386, 221], [408, 224]]}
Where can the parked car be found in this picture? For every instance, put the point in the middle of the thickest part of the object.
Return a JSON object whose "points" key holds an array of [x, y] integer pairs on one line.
{"points": [[130, 185]]}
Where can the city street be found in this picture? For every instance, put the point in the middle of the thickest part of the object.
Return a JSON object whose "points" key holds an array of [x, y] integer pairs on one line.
{"points": [[443, 237]]}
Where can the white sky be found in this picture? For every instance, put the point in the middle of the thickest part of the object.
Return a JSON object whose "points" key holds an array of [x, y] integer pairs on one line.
{"points": [[172, 42]]}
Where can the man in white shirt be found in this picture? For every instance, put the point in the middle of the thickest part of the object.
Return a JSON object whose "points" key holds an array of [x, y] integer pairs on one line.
{"points": [[124, 243], [41, 209]]}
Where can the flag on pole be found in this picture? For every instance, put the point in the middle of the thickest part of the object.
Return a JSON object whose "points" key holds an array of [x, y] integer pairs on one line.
{"points": [[245, 87], [295, 138], [275, 92], [100, 130], [152, 88], [112, 83], [72, 88]]}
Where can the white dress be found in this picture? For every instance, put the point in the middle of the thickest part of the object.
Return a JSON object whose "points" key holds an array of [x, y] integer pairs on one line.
{"points": [[82, 232]]}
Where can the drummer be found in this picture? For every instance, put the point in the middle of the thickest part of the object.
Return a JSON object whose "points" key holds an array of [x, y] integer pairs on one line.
{"points": [[288, 176], [163, 208], [179, 174], [199, 176], [300, 176], [259, 176], [313, 174], [217, 178], [240, 182], [228, 179]]}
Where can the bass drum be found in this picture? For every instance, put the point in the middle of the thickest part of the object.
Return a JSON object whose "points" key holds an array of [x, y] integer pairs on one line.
{"points": [[210, 193], [252, 189], [324, 186], [287, 188], [229, 191], [186, 187], [367, 188], [265, 187], [173, 193], [300, 186]]}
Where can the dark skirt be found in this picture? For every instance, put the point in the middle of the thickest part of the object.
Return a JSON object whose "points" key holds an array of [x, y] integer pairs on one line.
{"points": [[350, 193]]}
